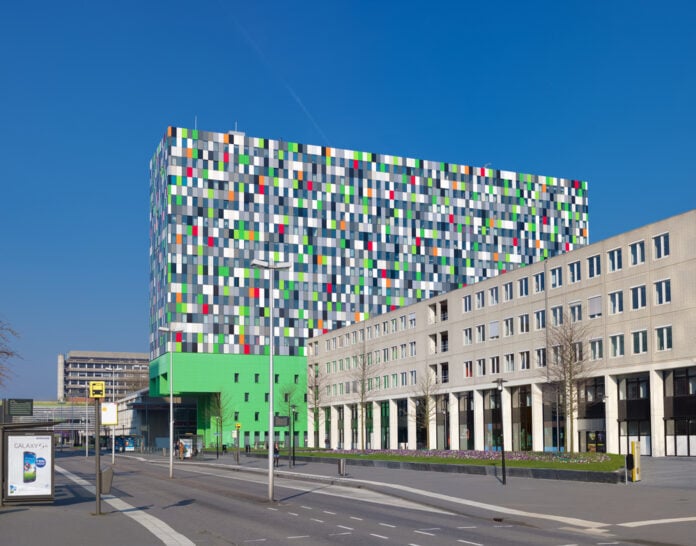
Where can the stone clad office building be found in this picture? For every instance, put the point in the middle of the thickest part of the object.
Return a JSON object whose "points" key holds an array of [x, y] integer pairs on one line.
{"points": [[635, 294], [365, 233]]}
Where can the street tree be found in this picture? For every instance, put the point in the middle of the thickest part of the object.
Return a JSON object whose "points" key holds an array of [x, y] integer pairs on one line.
{"points": [[221, 410], [425, 393], [315, 386], [363, 374], [7, 353], [568, 366]]}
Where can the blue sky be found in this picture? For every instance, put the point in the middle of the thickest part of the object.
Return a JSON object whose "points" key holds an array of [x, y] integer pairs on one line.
{"points": [[592, 90]]}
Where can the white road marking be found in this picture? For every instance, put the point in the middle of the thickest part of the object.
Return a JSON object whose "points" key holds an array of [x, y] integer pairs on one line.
{"points": [[657, 522], [468, 527], [156, 526], [317, 520], [424, 533], [356, 518], [345, 527], [388, 525], [306, 507], [330, 513], [467, 542], [379, 536], [293, 513], [298, 536], [339, 534]]}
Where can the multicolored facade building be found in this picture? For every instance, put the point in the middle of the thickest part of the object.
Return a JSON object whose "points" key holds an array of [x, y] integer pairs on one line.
{"points": [[365, 233]]}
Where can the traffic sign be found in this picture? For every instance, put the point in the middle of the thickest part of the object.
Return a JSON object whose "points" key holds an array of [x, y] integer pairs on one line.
{"points": [[97, 389]]}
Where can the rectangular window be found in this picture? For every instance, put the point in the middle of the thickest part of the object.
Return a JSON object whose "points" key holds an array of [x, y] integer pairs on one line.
{"points": [[524, 360], [404, 379], [494, 329], [524, 324], [507, 291], [615, 260], [523, 287], [556, 277], [508, 327], [638, 299], [481, 367], [596, 349], [468, 369], [594, 306], [539, 284], [663, 338], [540, 319], [594, 266], [468, 340], [466, 304], [414, 377], [557, 315], [661, 245], [412, 348], [246, 396], [663, 292], [617, 345], [541, 358], [574, 272], [495, 364], [638, 253], [575, 312], [395, 380], [256, 378], [377, 330], [236, 378], [510, 362], [404, 354], [412, 320], [578, 349], [385, 381], [640, 342], [615, 303], [493, 296], [480, 333], [480, 300]]}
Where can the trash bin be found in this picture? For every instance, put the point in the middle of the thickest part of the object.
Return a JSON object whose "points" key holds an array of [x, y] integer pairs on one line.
{"points": [[107, 477], [341, 467]]}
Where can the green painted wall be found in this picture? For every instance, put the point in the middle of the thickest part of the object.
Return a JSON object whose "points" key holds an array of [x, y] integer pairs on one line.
{"points": [[242, 381]]}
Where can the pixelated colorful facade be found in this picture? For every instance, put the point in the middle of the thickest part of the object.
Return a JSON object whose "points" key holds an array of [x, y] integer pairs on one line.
{"points": [[365, 233]]}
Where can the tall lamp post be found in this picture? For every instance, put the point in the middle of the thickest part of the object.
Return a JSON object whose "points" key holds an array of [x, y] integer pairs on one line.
{"points": [[272, 267], [500, 382], [171, 331]]}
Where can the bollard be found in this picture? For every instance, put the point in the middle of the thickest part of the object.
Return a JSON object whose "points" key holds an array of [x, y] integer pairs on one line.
{"points": [[341, 467]]}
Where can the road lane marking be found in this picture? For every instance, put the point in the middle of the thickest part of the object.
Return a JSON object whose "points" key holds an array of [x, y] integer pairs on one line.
{"points": [[424, 533], [330, 513], [317, 520], [388, 525], [298, 536], [379, 536], [356, 518], [345, 527], [467, 542], [656, 522], [154, 525]]}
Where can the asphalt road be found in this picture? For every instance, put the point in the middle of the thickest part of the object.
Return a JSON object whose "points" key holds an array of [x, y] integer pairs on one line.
{"points": [[214, 504]]}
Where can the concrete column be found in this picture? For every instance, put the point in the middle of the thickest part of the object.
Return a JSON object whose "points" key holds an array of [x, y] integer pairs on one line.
{"points": [[478, 421], [411, 423], [506, 402], [393, 425], [376, 439], [310, 426], [611, 409], [347, 418], [453, 418], [657, 415], [333, 438], [537, 417], [361, 423], [432, 422]]}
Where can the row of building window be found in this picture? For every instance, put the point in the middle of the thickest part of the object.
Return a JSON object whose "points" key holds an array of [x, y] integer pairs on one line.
{"points": [[374, 331], [386, 354], [378, 382], [511, 362], [594, 269]]}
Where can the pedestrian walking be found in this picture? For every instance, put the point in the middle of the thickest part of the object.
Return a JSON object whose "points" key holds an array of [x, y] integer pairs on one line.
{"points": [[276, 455]]}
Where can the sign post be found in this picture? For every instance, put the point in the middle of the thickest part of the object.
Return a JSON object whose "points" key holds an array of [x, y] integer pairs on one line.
{"points": [[238, 428], [96, 391]]}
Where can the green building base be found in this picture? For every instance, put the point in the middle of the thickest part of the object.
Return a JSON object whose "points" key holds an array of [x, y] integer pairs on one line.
{"points": [[233, 389]]}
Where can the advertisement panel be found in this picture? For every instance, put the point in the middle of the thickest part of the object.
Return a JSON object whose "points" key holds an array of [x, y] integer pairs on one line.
{"points": [[29, 466], [109, 414]]}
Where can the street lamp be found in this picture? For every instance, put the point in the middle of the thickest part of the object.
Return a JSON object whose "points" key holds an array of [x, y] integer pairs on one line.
{"points": [[171, 331], [292, 432], [272, 267], [500, 382]]}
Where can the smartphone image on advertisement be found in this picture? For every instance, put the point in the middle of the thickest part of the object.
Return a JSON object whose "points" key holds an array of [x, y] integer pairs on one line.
{"points": [[29, 466]]}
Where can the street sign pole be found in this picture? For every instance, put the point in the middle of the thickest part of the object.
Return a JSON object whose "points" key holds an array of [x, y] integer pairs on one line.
{"points": [[97, 450]]}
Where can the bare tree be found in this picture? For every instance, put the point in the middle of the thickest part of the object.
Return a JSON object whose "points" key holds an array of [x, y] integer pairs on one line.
{"points": [[569, 364], [221, 410], [6, 351], [426, 406], [315, 384], [363, 375]]}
